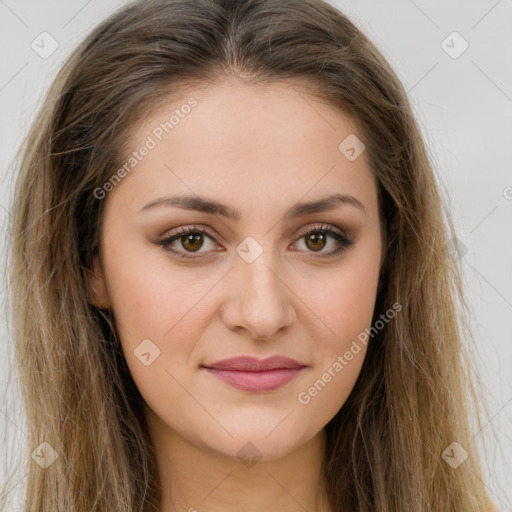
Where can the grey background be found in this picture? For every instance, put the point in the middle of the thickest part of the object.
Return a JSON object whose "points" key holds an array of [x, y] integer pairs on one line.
{"points": [[463, 104]]}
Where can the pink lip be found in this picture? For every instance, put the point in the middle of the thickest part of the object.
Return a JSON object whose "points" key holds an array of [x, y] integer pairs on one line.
{"points": [[252, 374]]}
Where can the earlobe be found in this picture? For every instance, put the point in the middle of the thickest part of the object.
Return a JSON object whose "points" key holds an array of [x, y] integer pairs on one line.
{"points": [[98, 292]]}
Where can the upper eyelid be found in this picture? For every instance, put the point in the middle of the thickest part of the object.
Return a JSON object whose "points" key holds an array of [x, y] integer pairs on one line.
{"points": [[335, 233], [200, 228], [345, 241]]}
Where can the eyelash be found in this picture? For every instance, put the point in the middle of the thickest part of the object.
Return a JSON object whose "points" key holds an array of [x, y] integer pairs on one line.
{"points": [[344, 242]]}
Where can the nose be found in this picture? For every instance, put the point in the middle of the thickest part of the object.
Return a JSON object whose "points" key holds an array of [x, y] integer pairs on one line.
{"points": [[258, 301]]}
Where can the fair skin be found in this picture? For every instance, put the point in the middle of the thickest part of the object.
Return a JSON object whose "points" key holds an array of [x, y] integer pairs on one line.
{"points": [[260, 150]]}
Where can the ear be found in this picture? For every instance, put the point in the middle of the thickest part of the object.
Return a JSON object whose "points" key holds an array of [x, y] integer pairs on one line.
{"points": [[98, 292]]}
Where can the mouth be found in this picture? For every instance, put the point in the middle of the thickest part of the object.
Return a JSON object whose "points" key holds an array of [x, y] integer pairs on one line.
{"points": [[248, 373]]}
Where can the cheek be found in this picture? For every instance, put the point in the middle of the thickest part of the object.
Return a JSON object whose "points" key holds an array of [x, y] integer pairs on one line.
{"points": [[152, 299], [342, 301], [342, 305], [160, 313], [323, 396], [339, 347]]}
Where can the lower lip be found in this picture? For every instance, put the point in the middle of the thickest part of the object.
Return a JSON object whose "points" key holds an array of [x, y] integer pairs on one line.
{"points": [[256, 381]]}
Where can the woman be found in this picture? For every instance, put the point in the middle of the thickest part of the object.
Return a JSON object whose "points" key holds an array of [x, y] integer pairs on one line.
{"points": [[232, 284]]}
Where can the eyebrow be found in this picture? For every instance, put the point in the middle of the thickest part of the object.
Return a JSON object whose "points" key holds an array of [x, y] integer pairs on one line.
{"points": [[210, 206]]}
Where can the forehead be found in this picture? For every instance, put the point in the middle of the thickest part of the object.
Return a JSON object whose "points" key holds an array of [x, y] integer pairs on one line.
{"points": [[247, 144]]}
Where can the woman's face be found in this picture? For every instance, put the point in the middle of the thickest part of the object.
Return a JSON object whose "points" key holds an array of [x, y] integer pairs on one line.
{"points": [[255, 283]]}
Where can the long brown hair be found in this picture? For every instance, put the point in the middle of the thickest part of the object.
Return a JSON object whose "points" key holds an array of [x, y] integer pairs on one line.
{"points": [[385, 445]]}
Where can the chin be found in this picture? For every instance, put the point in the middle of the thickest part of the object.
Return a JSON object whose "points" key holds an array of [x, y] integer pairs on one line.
{"points": [[256, 443]]}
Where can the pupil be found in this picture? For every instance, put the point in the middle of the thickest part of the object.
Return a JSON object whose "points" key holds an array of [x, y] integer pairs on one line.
{"points": [[194, 242], [192, 239], [316, 238]]}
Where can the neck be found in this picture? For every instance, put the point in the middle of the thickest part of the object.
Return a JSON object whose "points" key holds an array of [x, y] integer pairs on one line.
{"points": [[196, 479]]}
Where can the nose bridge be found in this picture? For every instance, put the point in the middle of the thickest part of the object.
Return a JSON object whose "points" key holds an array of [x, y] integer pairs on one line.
{"points": [[257, 272], [260, 275], [260, 301]]}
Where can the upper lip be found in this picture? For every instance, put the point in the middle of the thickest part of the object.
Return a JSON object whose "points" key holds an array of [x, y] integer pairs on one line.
{"points": [[253, 364]]}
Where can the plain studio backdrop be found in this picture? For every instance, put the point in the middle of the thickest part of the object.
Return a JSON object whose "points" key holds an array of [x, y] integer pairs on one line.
{"points": [[455, 60]]}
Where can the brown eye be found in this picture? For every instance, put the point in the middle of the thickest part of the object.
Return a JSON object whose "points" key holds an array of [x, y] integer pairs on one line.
{"points": [[190, 239], [186, 241], [316, 241], [318, 238], [192, 242]]}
